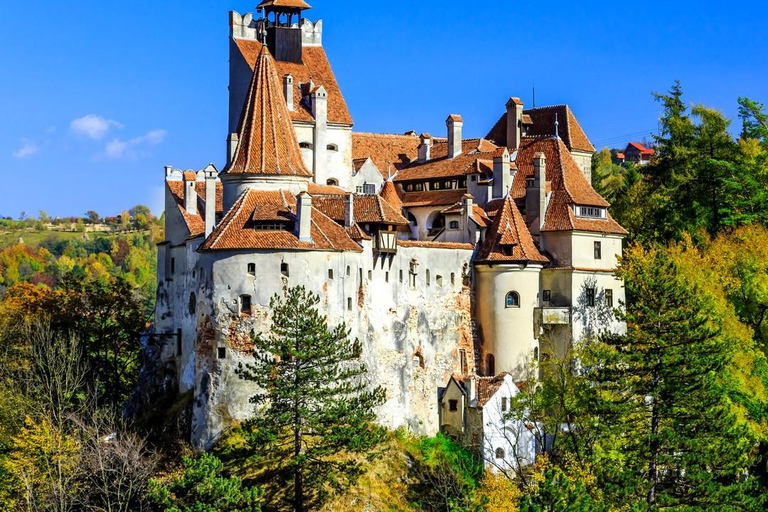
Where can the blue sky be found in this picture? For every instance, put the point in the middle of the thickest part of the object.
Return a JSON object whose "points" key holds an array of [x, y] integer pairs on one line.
{"points": [[98, 96]]}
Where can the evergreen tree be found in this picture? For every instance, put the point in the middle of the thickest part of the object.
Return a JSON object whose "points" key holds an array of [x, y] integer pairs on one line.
{"points": [[315, 409], [676, 396]]}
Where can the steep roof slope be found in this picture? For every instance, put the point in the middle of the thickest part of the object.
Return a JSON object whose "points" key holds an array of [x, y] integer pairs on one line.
{"points": [[543, 125], [267, 140], [508, 239], [385, 150]]}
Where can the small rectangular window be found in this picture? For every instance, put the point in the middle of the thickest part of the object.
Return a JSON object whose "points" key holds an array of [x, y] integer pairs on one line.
{"points": [[463, 361], [439, 280], [359, 189], [245, 304], [504, 405], [401, 276], [453, 405], [598, 250], [360, 273], [330, 273], [222, 353], [349, 271], [251, 269], [546, 295], [609, 298], [386, 277], [370, 275], [427, 275], [349, 303], [453, 278], [284, 269], [590, 297], [369, 189]]}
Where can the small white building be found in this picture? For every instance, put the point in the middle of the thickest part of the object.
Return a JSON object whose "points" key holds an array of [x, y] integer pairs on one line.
{"points": [[443, 255]]}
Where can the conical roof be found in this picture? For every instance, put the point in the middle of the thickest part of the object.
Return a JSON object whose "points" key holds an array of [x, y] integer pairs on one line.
{"points": [[508, 239], [267, 141]]}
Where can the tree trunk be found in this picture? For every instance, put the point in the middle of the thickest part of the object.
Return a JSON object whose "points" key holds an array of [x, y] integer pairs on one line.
{"points": [[298, 476]]}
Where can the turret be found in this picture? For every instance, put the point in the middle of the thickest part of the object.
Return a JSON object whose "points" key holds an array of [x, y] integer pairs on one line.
{"points": [[283, 34]]}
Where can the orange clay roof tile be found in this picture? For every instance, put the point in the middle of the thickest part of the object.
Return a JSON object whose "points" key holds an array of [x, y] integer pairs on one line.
{"points": [[476, 153], [434, 245], [389, 152], [508, 239], [314, 67], [195, 221], [487, 387], [432, 198], [236, 231], [267, 140], [542, 123], [391, 194]]}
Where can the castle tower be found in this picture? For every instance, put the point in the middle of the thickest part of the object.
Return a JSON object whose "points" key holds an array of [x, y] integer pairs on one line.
{"points": [[267, 156], [508, 267]]}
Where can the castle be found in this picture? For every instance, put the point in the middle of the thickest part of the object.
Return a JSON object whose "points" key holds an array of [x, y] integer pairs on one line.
{"points": [[451, 259]]}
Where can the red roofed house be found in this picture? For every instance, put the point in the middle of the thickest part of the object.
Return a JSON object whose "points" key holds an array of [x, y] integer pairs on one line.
{"points": [[444, 255], [638, 153]]}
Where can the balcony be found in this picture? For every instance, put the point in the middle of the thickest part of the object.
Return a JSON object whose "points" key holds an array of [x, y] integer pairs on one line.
{"points": [[550, 316]]}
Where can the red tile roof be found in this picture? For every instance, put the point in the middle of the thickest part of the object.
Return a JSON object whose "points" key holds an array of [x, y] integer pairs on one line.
{"points": [[475, 157], [267, 140], [314, 188], [434, 245], [487, 387], [478, 214], [391, 193], [543, 124], [641, 148], [389, 152], [295, 4], [236, 231], [314, 67], [368, 209], [432, 198], [195, 221], [509, 230]]}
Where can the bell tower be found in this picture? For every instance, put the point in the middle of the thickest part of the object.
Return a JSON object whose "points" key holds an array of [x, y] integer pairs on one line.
{"points": [[282, 28]]}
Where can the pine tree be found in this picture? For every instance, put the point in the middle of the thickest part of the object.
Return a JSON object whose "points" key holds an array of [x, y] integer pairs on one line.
{"points": [[671, 394], [315, 410]]}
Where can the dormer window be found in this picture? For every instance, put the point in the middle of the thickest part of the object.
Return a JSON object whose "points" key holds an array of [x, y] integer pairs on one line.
{"points": [[332, 182], [332, 147], [591, 211], [305, 145]]}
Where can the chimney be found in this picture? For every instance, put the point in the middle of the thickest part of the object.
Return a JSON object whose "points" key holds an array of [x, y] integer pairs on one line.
{"points": [[232, 142], [425, 148], [288, 91], [454, 124], [319, 98], [536, 195], [210, 199], [190, 192], [349, 210], [304, 216], [514, 123], [467, 205], [502, 175]]}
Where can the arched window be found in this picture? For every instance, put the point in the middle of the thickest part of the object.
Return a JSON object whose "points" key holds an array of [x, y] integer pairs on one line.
{"points": [[333, 182], [513, 300], [490, 365], [332, 147], [499, 453], [305, 145]]}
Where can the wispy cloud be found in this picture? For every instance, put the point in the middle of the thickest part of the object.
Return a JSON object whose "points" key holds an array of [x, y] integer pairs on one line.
{"points": [[93, 126], [28, 149], [133, 148]]}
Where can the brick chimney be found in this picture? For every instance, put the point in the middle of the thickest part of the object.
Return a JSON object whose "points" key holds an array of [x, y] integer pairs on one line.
{"points": [[514, 123], [454, 124], [190, 192], [288, 91], [467, 207], [349, 210], [502, 175], [425, 148], [210, 198], [536, 196], [304, 216]]}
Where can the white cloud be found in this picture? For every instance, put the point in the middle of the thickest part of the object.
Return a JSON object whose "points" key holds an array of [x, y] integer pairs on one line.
{"points": [[135, 147], [93, 126], [28, 149]]}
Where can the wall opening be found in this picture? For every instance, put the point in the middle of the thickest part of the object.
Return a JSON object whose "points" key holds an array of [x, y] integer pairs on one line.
{"points": [[463, 361], [245, 304], [490, 365], [418, 360], [251, 269], [427, 274], [513, 300], [439, 280], [222, 353], [453, 405], [330, 274], [284, 269], [349, 303]]}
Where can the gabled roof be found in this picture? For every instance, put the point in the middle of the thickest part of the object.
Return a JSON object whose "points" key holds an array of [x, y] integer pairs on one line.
{"points": [[432, 198], [195, 221], [509, 229], [487, 387], [641, 148], [314, 67], [542, 123], [389, 152], [474, 159], [236, 231], [367, 209], [267, 140]]}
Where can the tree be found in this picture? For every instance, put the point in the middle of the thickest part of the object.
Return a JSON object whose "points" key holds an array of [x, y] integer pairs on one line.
{"points": [[43, 216], [680, 399], [92, 216], [314, 409], [202, 488]]}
